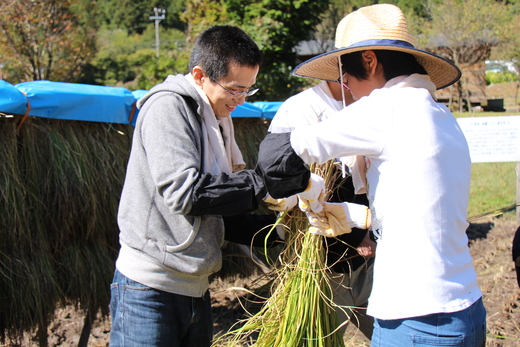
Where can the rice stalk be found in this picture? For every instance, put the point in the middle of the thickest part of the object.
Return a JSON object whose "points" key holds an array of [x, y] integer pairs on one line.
{"points": [[300, 310], [59, 188]]}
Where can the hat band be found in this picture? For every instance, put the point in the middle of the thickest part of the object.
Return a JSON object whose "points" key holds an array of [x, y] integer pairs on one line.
{"points": [[378, 42]]}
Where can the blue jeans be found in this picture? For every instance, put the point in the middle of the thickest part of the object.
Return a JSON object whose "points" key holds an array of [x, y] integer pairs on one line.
{"points": [[143, 316], [466, 328]]}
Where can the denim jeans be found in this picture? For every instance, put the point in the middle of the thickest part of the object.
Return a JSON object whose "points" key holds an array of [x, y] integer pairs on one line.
{"points": [[466, 328], [143, 316]]}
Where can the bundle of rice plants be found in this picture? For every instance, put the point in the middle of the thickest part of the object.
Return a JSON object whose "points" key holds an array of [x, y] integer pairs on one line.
{"points": [[87, 163], [27, 268], [300, 310], [60, 186]]}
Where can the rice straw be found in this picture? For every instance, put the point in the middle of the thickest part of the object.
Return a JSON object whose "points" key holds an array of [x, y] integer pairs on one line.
{"points": [[300, 310]]}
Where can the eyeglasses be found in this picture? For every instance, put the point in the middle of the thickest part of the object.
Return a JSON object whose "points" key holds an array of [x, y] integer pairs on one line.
{"points": [[344, 84], [237, 94]]}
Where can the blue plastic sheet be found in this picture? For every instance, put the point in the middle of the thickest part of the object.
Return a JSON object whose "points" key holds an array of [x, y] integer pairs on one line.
{"points": [[247, 110], [92, 103], [78, 101], [269, 108], [12, 101], [138, 94]]}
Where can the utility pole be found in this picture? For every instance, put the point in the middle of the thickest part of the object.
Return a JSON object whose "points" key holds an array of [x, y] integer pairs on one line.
{"points": [[157, 19]]}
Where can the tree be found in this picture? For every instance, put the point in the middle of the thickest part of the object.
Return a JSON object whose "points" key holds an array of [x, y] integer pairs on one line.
{"points": [[411, 7], [133, 15], [129, 60], [325, 33], [463, 31], [45, 39], [508, 47], [277, 26]]}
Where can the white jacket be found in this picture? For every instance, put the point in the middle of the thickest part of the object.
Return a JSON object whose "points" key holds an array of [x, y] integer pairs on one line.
{"points": [[418, 188], [306, 108]]}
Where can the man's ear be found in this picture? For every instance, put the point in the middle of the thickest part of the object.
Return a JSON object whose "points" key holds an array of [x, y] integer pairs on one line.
{"points": [[369, 61], [198, 75]]}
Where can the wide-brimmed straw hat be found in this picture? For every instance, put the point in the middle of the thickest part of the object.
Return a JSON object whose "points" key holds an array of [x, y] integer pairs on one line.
{"points": [[376, 27]]}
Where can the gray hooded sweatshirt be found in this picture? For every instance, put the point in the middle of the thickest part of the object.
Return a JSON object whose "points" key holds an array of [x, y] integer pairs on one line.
{"points": [[170, 212]]}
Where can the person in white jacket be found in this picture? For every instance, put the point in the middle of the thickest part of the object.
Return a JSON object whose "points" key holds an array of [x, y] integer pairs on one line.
{"points": [[425, 289], [352, 271]]}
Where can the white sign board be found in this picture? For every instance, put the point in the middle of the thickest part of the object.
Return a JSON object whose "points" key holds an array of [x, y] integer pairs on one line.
{"points": [[492, 139]]}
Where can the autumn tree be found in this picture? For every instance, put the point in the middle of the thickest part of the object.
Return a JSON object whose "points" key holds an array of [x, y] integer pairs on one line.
{"points": [[45, 39], [508, 47], [463, 31]]}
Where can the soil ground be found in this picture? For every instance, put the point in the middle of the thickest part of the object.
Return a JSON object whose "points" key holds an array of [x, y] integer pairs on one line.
{"points": [[490, 247]]}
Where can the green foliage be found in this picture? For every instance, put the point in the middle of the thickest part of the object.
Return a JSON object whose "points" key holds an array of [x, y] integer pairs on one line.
{"points": [[417, 7], [465, 32], [508, 29], [276, 26], [500, 77], [493, 186], [154, 71], [461, 26], [130, 59], [133, 15]]}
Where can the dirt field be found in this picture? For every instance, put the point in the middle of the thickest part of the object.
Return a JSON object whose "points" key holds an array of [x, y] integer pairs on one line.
{"points": [[491, 250]]}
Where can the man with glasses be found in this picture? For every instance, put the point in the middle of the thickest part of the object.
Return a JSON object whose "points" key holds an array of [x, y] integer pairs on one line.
{"points": [[184, 178], [237, 94]]}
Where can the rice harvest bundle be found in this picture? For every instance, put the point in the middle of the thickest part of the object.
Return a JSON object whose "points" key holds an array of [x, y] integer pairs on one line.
{"points": [[300, 310], [60, 187]]}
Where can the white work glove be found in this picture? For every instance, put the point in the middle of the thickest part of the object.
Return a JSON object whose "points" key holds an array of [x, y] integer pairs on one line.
{"points": [[311, 199], [281, 205], [341, 218], [318, 220]]}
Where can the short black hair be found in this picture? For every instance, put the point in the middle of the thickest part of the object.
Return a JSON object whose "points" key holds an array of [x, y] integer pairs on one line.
{"points": [[219, 45], [395, 63]]}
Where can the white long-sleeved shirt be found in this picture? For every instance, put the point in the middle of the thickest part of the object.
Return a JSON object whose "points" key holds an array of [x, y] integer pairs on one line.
{"points": [[418, 188], [309, 107]]}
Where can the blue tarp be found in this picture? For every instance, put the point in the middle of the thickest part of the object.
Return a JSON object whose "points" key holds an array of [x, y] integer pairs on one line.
{"points": [[269, 108], [93, 103], [11, 99], [247, 110], [78, 101]]}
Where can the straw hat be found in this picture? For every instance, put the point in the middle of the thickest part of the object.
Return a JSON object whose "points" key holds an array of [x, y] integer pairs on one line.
{"points": [[376, 27]]}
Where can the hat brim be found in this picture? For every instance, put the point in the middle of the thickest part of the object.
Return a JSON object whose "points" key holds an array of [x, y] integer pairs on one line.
{"points": [[442, 72]]}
